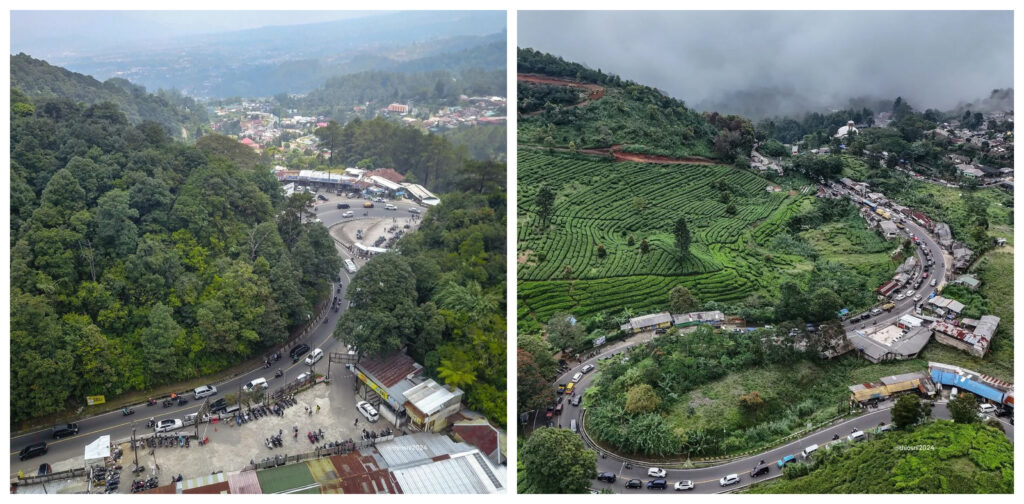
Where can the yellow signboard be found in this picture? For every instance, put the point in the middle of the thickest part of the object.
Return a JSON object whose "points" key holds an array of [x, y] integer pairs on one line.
{"points": [[378, 390], [95, 399]]}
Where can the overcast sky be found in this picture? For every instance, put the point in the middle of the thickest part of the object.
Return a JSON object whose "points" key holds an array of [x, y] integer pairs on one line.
{"points": [[42, 32], [935, 59]]}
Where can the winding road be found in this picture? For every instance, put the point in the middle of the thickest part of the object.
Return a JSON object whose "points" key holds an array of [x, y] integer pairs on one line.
{"points": [[118, 426], [706, 479]]}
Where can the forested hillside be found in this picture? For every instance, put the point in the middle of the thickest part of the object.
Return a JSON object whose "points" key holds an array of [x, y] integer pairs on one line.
{"points": [[138, 261], [40, 80], [639, 118], [443, 295], [377, 89], [424, 158]]}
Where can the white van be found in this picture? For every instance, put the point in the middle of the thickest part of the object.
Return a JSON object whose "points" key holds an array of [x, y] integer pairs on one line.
{"points": [[260, 382], [314, 356], [204, 391], [576, 377], [809, 450], [856, 436], [367, 410], [350, 266], [572, 425]]}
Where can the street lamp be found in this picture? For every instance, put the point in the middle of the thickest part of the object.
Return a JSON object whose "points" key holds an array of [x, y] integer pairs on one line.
{"points": [[135, 449]]}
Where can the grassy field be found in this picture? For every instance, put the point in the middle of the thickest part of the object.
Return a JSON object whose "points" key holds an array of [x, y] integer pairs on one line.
{"points": [[604, 203]]}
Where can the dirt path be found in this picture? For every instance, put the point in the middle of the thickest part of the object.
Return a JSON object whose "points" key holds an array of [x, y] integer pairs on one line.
{"points": [[594, 91], [633, 157]]}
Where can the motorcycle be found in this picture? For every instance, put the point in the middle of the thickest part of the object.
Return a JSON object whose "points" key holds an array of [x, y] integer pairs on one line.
{"points": [[151, 423], [168, 403], [151, 402], [127, 411], [279, 373]]}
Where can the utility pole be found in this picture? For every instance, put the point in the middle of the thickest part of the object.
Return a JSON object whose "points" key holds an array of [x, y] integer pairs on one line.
{"points": [[135, 449]]}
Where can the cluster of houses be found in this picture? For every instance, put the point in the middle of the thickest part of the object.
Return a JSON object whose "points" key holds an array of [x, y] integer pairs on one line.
{"points": [[986, 388], [471, 111]]}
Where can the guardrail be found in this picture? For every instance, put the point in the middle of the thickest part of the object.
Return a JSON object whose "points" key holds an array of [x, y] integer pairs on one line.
{"points": [[342, 448], [78, 472]]}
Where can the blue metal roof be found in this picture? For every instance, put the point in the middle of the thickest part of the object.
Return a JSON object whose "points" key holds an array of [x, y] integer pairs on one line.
{"points": [[965, 383]]}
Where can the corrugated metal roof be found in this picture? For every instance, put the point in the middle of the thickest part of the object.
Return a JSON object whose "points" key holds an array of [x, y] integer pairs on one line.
{"points": [[390, 369], [429, 397], [900, 378], [414, 448], [462, 474], [651, 319]]}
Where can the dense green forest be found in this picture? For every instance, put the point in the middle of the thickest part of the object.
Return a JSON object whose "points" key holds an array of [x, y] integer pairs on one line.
{"points": [[377, 88], [639, 118], [138, 261], [443, 294], [40, 80], [482, 142], [939, 457], [428, 159]]}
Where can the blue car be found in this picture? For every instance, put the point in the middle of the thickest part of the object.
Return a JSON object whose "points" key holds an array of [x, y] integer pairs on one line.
{"points": [[785, 460]]}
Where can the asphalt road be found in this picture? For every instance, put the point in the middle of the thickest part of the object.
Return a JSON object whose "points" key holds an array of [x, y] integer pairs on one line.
{"points": [[119, 426], [706, 480]]}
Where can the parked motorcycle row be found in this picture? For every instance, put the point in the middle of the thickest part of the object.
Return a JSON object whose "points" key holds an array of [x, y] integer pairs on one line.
{"points": [[169, 441], [274, 441], [262, 410], [140, 485], [108, 479], [374, 435]]}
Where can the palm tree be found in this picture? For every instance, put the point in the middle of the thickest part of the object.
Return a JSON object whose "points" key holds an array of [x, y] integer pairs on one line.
{"points": [[457, 371]]}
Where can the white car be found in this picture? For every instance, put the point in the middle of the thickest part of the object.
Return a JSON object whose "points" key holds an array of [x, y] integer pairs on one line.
{"points": [[933, 282], [314, 356], [204, 391], [730, 479], [987, 408], [576, 377], [588, 368], [900, 297], [389, 206], [684, 485], [855, 436], [349, 213], [909, 293], [656, 472], [168, 425], [414, 210], [368, 411]]}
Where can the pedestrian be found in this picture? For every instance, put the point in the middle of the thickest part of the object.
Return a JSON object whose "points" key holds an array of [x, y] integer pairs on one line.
{"points": [[356, 424], [318, 408]]}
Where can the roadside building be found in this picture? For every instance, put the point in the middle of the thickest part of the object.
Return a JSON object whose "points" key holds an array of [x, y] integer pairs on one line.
{"points": [[961, 257], [907, 322], [383, 382], [943, 234], [975, 343], [429, 405], [983, 386], [970, 281], [421, 194], [889, 343], [945, 306], [648, 322], [887, 288], [889, 229], [714, 318], [388, 186]]}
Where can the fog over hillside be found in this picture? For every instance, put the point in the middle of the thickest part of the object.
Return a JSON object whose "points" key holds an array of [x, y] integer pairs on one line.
{"points": [[761, 63]]}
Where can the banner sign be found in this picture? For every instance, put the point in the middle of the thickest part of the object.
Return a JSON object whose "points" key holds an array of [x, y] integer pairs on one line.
{"points": [[600, 341], [95, 399], [372, 385]]}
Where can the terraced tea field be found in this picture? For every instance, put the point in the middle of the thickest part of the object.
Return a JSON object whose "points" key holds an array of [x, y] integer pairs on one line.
{"points": [[600, 202]]}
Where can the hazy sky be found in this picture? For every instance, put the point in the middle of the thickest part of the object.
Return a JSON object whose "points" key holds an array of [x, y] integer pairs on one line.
{"points": [[41, 32], [938, 58]]}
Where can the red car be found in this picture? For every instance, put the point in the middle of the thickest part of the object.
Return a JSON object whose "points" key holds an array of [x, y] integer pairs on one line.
{"points": [[924, 275]]}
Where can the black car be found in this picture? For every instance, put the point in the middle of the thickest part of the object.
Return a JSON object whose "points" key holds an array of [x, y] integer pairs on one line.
{"points": [[302, 349], [608, 477], [32, 450], [759, 470], [45, 469], [218, 405], [65, 430], [634, 483], [343, 205], [321, 197], [658, 484]]}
